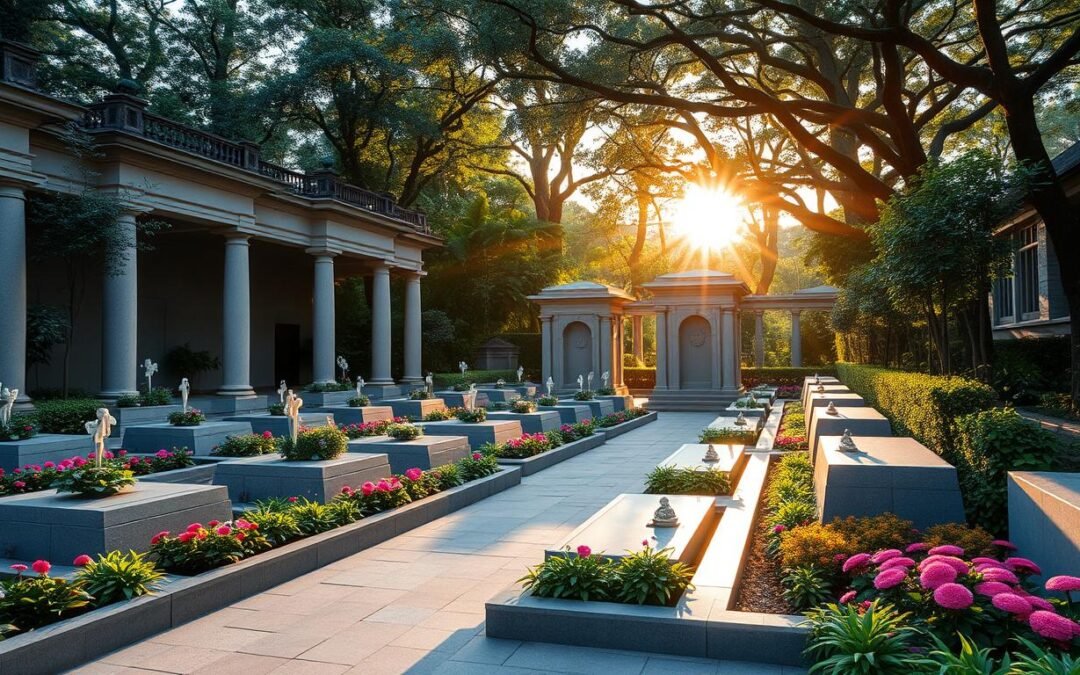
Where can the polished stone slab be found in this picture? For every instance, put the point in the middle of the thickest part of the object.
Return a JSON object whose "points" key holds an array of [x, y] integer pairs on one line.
{"points": [[278, 425], [623, 524], [424, 452], [1044, 519], [729, 422], [151, 414], [228, 405], [759, 413], [251, 478], [619, 402], [416, 410], [43, 448], [829, 387], [732, 458], [201, 439], [456, 399], [344, 414], [478, 433], [864, 421], [322, 399], [59, 527], [570, 413], [544, 419], [816, 404], [597, 407], [504, 395], [887, 475]]}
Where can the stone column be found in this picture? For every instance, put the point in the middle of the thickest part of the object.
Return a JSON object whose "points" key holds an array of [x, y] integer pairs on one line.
{"points": [[661, 349], [413, 330], [759, 339], [606, 362], [323, 348], [638, 328], [236, 319], [13, 290], [120, 316], [380, 326], [796, 340], [547, 347], [728, 357]]}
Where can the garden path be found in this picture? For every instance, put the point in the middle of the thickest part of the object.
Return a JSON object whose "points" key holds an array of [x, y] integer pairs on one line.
{"points": [[416, 602]]}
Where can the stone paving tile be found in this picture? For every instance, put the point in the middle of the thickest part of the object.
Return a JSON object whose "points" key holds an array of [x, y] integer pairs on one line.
{"points": [[415, 603]]}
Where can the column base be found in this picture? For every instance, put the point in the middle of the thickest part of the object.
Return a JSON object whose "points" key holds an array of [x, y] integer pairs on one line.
{"points": [[117, 393], [237, 391]]}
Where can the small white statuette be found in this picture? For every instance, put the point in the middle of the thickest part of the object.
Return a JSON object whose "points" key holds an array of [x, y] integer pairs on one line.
{"points": [[831, 410], [820, 389], [817, 380], [664, 516], [580, 383], [430, 382], [520, 372], [344, 365], [149, 367], [500, 383], [462, 366], [330, 421], [293, 403], [550, 385], [710, 454], [185, 388], [100, 429], [9, 396], [282, 388], [605, 377], [740, 421], [590, 380], [847, 443]]}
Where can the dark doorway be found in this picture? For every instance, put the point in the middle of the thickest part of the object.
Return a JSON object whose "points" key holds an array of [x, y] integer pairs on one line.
{"points": [[287, 353]]}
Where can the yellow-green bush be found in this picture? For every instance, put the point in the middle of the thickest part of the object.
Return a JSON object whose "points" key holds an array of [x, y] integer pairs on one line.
{"points": [[875, 533], [974, 540], [813, 544]]}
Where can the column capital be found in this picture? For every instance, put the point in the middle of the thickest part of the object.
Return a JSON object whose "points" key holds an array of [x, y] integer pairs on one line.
{"points": [[322, 252], [237, 238], [413, 275], [795, 312]]}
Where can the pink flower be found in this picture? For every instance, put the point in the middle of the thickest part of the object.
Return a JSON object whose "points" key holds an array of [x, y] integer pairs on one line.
{"points": [[367, 488], [19, 567], [346, 490], [1022, 566], [992, 588], [847, 597], [82, 561], [957, 564], [213, 523], [1040, 603], [161, 454], [19, 484], [194, 527], [983, 560], [1063, 583], [1053, 626], [947, 549], [1012, 603], [890, 578], [267, 434], [584, 551], [223, 530], [49, 465], [953, 596], [382, 486], [644, 542], [292, 500], [902, 561], [185, 537], [887, 554], [42, 567], [1004, 543], [856, 561], [477, 455], [777, 529], [414, 474], [936, 575], [159, 536], [998, 574], [916, 547]]}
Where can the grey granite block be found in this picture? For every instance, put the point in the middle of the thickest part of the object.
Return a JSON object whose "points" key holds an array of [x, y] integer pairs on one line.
{"points": [[424, 452], [278, 425], [861, 421], [252, 478], [544, 419], [322, 399], [504, 395], [149, 438], [597, 407], [230, 405], [816, 404], [570, 413], [416, 410], [126, 417], [478, 433], [60, 527], [344, 414], [732, 411], [1044, 519], [42, 448], [831, 389], [378, 392], [200, 474], [456, 399], [619, 402], [531, 465]]}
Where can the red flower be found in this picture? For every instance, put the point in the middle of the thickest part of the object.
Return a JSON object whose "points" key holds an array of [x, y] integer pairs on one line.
{"points": [[267, 434], [292, 500], [477, 455], [19, 567], [159, 536], [194, 527], [82, 561], [584, 551], [185, 537], [224, 530], [42, 567]]}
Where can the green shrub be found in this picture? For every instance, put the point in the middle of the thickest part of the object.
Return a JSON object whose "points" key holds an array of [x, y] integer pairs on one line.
{"points": [[419, 395], [326, 387], [673, 480], [31, 602], [447, 475], [312, 517], [449, 380], [90, 480], [991, 443], [18, 428], [1026, 367], [440, 415], [278, 526], [925, 407], [650, 577], [474, 416], [647, 576], [65, 416], [247, 445], [548, 401], [477, 466], [805, 586], [359, 401], [325, 442], [783, 376], [522, 406], [119, 576], [156, 396], [586, 395], [574, 577], [639, 378], [192, 418], [746, 436], [845, 640], [403, 432]]}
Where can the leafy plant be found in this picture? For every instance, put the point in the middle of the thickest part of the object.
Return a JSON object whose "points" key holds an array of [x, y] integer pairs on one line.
{"points": [[874, 533], [805, 586], [746, 436], [605, 391], [118, 576], [477, 466], [320, 443], [586, 395], [313, 517], [65, 416], [90, 480], [419, 395], [526, 445], [277, 525], [360, 401], [326, 387], [793, 513], [522, 406], [200, 548], [974, 540], [247, 445], [1039, 661], [970, 660], [192, 418], [576, 577], [277, 409], [845, 640], [403, 432], [447, 475], [548, 401], [650, 577], [187, 362], [472, 416], [18, 428], [440, 415], [162, 460], [674, 480], [813, 544], [32, 602]]}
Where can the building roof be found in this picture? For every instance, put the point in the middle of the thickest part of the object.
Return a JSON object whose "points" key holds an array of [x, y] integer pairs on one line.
{"points": [[581, 290], [1068, 160]]}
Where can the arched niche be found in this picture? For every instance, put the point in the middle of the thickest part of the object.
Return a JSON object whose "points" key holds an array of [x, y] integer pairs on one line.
{"points": [[577, 351], [695, 353]]}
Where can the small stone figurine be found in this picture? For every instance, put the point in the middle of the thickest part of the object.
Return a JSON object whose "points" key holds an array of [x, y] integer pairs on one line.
{"points": [[462, 366], [469, 399], [580, 383], [185, 388], [847, 443], [520, 373], [282, 388], [344, 365], [590, 380], [150, 368], [820, 389], [430, 382], [293, 403], [550, 385], [831, 410], [665, 515], [359, 386], [817, 380], [9, 396], [740, 421], [710, 454], [100, 429], [604, 378]]}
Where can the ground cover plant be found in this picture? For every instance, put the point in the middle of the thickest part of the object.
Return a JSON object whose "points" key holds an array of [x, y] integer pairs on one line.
{"points": [[247, 445], [192, 418], [320, 443], [792, 432], [673, 480], [155, 397], [747, 436], [616, 418], [367, 429]]}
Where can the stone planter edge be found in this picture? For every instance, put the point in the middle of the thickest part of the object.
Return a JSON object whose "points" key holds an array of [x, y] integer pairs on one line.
{"points": [[536, 463]]}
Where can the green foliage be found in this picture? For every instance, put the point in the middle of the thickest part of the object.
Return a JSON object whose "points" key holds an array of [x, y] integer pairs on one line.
{"points": [[650, 577], [192, 418], [199, 548], [1025, 367], [184, 361], [471, 416], [313, 517], [746, 436], [277, 525], [118, 576], [359, 401], [403, 432], [548, 401], [522, 406], [970, 660], [640, 577], [1039, 661], [673, 480], [586, 395], [19, 428], [806, 586], [846, 641], [477, 466], [452, 380], [65, 416], [447, 475], [419, 395], [247, 445], [157, 396], [320, 443], [326, 387], [46, 327], [990, 444], [572, 577], [94, 481], [31, 602]]}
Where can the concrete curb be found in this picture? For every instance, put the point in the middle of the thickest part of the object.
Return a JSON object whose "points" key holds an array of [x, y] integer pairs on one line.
{"points": [[531, 465]]}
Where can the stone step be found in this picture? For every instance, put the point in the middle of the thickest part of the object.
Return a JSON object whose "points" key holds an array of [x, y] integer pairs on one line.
{"points": [[690, 400]]}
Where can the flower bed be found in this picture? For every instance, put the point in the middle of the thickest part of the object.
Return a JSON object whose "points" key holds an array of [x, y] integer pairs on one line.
{"points": [[671, 480], [247, 445], [33, 478], [158, 396], [522, 406], [367, 429], [321, 443], [192, 418], [746, 436], [404, 431], [327, 387], [791, 435], [360, 401], [473, 416], [19, 428], [621, 417]]}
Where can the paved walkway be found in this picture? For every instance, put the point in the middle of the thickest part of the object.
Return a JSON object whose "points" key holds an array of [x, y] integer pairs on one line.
{"points": [[416, 603]]}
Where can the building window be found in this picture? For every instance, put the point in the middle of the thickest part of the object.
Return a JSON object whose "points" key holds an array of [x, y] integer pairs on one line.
{"points": [[1003, 300], [1027, 272]]}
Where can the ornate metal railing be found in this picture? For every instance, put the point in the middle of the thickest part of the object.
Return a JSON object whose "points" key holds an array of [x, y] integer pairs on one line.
{"points": [[127, 113]]}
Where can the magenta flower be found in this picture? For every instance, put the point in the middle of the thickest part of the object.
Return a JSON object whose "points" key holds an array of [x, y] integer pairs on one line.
{"points": [[367, 488], [194, 527], [584, 551], [1040, 603], [957, 564], [777, 529], [1012, 603], [1022, 566], [414, 474], [19, 567], [983, 560], [856, 561], [997, 574], [1004, 543], [477, 456], [890, 578], [1063, 583], [82, 561], [49, 465], [936, 575], [223, 530], [161, 454], [159, 536], [953, 596], [916, 547], [292, 500], [902, 561], [42, 567], [644, 542], [847, 597], [887, 554], [1053, 626], [992, 588], [947, 549]]}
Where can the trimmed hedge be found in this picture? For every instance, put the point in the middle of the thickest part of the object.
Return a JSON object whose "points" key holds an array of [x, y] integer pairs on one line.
{"points": [[925, 407], [444, 380], [65, 416], [645, 378]]}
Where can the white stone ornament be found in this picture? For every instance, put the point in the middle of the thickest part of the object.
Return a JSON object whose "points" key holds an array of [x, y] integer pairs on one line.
{"points": [[580, 383], [847, 443], [520, 373], [100, 429], [550, 385], [9, 396], [820, 389], [605, 377], [360, 385], [710, 454], [430, 382], [293, 403], [344, 366], [590, 380], [149, 367], [665, 515], [817, 380], [831, 410], [185, 388], [740, 421], [462, 366]]}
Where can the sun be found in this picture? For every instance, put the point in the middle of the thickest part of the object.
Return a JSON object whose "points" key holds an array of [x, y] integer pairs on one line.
{"points": [[709, 219]]}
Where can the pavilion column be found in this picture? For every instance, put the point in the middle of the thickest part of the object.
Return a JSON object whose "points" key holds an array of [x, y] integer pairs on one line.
{"points": [[796, 340], [236, 319], [759, 339], [323, 320], [638, 327], [661, 348], [13, 290], [413, 330], [606, 362], [547, 347], [380, 326], [120, 316], [728, 357]]}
